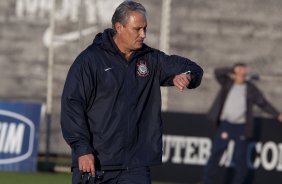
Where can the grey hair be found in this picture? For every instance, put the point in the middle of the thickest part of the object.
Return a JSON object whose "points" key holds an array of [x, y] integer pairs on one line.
{"points": [[122, 11]]}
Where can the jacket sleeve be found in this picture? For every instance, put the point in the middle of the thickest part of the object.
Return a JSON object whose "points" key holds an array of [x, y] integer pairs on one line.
{"points": [[222, 75], [173, 65], [261, 101], [76, 95]]}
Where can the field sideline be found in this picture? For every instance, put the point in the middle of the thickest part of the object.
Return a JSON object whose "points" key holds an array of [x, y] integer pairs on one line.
{"points": [[38, 178]]}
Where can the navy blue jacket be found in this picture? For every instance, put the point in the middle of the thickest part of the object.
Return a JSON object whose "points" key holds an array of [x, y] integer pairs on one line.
{"points": [[112, 107]]}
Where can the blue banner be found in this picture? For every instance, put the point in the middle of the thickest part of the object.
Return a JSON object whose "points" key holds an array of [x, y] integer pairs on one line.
{"points": [[19, 136]]}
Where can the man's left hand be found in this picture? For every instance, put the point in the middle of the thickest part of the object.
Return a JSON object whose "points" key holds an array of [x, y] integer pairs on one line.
{"points": [[181, 81]]}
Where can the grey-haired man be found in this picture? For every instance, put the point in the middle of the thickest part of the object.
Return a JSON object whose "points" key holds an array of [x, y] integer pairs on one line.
{"points": [[111, 103]]}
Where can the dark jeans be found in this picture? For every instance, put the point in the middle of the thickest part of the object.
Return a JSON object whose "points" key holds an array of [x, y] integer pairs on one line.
{"points": [[139, 175], [234, 132]]}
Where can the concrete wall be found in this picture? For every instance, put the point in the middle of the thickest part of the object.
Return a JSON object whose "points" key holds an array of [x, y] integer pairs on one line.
{"points": [[212, 33]]}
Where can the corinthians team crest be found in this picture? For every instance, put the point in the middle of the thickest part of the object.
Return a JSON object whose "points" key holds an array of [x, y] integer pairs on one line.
{"points": [[142, 69]]}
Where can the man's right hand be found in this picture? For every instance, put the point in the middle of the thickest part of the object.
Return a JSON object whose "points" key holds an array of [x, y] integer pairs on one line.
{"points": [[86, 164], [181, 81]]}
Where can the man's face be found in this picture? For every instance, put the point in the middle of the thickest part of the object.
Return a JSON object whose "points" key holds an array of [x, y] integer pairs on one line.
{"points": [[241, 72], [133, 33]]}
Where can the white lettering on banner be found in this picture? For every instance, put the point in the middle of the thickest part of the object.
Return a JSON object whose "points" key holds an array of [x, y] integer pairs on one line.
{"points": [[268, 156], [41, 8], [67, 9], [11, 137], [269, 148], [16, 137], [279, 165], [196, 151], [32, 8], [203, 145], [226, 159], [187, 150], [3, 130]]}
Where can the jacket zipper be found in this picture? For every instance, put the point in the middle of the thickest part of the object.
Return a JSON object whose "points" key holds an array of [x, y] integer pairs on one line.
{"points": [[127, 70], [127, 140]]}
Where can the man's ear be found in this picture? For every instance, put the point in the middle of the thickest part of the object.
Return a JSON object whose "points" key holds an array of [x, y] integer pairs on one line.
{"points": [[118, 27]]}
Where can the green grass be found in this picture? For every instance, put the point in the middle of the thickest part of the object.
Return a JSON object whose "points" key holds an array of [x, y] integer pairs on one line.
{"points": [[38, 178], [42, 177]]}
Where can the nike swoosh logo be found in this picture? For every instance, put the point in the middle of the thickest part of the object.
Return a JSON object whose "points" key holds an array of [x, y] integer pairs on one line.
{"points": [[63, 39], [107, 69]]}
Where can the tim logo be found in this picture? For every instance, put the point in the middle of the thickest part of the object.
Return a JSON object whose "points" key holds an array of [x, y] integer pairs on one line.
{"points": [[16, 137]]}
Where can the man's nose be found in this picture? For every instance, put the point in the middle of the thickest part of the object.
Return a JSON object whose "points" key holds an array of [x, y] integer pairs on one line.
{"points": [[142, 34]]}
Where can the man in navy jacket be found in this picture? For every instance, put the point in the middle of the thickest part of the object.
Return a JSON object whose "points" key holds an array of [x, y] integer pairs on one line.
{"points": [[111, 102]]}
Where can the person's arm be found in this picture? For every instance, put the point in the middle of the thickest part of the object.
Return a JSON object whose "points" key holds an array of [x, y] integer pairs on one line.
{"points": [[261, 101], [76, 96], [222, 75], [171, 66]]}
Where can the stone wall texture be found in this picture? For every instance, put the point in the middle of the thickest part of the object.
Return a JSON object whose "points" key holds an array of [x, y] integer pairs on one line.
{"points": [[212, 33]]}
